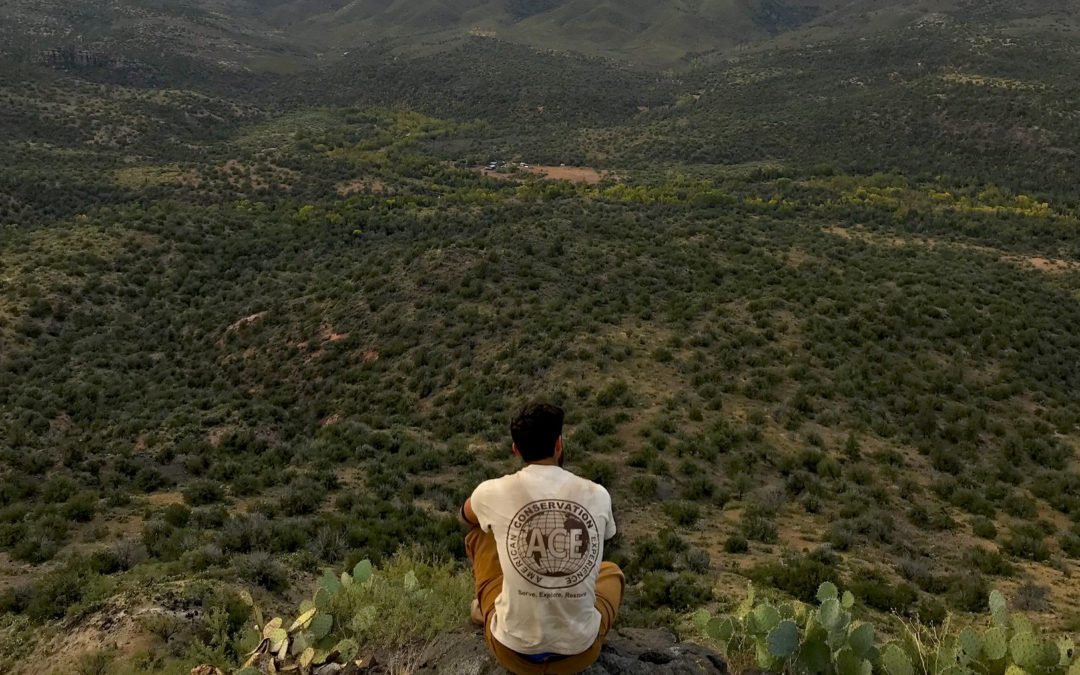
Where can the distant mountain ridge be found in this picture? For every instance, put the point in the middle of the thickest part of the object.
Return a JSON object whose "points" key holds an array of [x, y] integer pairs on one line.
{"points": [[646, 31], [288, 35]]}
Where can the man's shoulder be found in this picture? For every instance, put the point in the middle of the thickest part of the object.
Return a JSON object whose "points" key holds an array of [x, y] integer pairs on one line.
{"points": [[596, 490], [493, 485]]}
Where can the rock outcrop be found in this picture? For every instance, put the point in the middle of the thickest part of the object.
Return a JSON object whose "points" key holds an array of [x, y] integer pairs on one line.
{"points": [[628, 651]]}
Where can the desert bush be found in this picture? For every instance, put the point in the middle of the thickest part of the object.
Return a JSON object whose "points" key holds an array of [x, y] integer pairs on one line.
{"points": [[676, 591], [984, 528], [758, 525], [303, 497], [203, 492], [1028, 542], [968, 592], [683, 514], [1031, 597], [263, 570], [736, 543], [991, 562], [696, 560], [880, 593], [797, 575]]}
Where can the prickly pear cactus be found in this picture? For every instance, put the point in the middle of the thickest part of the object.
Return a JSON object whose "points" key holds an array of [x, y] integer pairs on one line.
{"points": [[824, 640], [307, 646]]}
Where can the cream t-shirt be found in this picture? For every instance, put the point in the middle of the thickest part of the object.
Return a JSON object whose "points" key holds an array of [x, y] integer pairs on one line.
{"points": [[550, 527]]}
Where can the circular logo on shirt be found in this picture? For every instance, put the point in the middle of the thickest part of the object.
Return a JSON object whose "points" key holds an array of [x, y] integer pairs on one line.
{"points": [[553, 543]]}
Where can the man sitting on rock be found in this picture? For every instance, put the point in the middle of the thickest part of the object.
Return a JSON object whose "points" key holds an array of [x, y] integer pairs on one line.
{"points": [[544, 597]]}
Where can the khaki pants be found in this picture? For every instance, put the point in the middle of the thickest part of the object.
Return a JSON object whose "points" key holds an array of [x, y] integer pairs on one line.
{"points": [[484, 555]]}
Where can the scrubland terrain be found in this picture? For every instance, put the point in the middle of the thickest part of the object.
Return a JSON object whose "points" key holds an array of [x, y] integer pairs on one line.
{"points": [[812, 306]]}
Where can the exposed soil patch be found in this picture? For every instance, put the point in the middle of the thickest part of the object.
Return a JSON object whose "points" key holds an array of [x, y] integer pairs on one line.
{"points": [[1047, 265], [330, 335], [165, 498], [1052, 266], [573, 174], [245, 321], [360, 185]]}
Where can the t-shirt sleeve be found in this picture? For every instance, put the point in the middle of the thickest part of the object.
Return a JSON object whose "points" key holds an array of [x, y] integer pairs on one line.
{"points": [[481, 502], [609, 517]]}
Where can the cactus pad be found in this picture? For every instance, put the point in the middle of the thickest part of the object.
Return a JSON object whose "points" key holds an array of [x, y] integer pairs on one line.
{"points": [[330, 583], [721, 629], [748, 603], [1025, 650], [814, 658], [1066, 651], [995, 644], [847, 601], [827, 591], [701, 619], [363, 571], [302, 620], [861, 639], [1050, 655], [766, 618], [850, 663], [999, 609], [307, 657], [1075, 669], [783, 640], [829, 614], [278, 637], [970, 645], [896, 662], [765, 660], [321, 625]]}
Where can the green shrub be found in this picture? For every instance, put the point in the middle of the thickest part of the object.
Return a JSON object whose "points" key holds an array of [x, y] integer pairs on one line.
{"points": [[991, 562], [203, 492], [302, 497], [799, 576], [655, 553], [984, 528], [684, 514], [1028, 542], [176, 515], [758, 526], [736, 543], [968, 592], [260, 568], [677, 591], [878, 592], [81, 507], [644, 487], [599, 471]]}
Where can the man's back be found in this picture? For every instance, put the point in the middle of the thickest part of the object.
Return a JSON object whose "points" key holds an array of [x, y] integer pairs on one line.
{"points": [[549, 526]]}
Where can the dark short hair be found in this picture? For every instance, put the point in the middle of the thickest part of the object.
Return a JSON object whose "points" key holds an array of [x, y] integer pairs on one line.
{"points": [[535, 430]]}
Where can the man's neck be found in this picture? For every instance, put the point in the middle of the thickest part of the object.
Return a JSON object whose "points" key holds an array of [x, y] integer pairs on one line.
{"points": [[550, 461]]}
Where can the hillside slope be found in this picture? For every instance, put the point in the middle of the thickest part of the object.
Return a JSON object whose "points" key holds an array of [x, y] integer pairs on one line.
{"points": [[266, 310]]}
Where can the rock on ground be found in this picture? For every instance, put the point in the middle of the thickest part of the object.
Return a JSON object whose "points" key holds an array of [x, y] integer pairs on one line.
{"points": [[628, 651]]}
